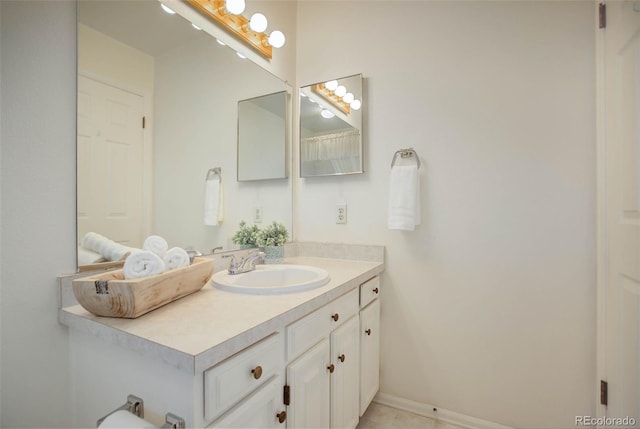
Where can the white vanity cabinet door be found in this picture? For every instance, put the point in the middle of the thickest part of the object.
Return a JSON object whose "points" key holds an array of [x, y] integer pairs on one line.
{"points": [[261, 410], [345, 378], [369, 353], [309, 381]]}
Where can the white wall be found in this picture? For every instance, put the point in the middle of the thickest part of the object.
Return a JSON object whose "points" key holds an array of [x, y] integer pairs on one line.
{"points": [[112, 60], [489, 306], [38, 200]]}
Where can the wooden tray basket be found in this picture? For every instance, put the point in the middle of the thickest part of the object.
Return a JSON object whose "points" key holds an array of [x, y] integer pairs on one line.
{"points": [[109, 294]]}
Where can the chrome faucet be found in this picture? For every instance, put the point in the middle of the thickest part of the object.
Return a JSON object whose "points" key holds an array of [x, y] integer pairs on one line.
{"points": [[246, 264]]}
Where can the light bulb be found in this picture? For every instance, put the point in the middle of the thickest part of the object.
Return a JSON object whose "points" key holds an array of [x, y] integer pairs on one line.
{"points": [[356, 104], [241, 56], [195, 26], [221, 42], [348, 97], [340, 91], [331, 85], [258, 22], [167, 9], [235, 7], [277, 39], [327, 114]]}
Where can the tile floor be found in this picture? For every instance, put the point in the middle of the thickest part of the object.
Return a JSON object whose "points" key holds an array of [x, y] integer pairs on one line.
{"points": [[382, 417]]}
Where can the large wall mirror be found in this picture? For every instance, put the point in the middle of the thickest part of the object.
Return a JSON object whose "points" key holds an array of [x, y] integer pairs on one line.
{"points": [[157, 109], [331, 127]]}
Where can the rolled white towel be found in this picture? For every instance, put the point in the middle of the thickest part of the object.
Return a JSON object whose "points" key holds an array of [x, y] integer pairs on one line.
{"points": [[108, 248], [142, 264], [156, 244], [176, 257], [86, 256]]}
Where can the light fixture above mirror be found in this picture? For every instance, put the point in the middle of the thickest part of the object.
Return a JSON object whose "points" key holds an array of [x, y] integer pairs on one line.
{"points": [[251, 31]]}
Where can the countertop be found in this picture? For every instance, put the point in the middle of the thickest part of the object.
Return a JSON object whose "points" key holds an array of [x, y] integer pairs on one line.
{"points": [[201, 329]]}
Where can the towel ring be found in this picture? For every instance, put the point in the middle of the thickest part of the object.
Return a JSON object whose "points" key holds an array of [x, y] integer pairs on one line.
{"points": [[406, 153], [214, 173]]}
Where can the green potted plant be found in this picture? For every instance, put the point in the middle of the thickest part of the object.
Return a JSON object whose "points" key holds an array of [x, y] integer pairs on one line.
{"points": [[247, 236], [272, 239]]}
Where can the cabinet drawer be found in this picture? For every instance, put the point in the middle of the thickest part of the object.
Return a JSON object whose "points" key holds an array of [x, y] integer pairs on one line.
{"points": [[306, 332], [369, 291], [228, 382]]}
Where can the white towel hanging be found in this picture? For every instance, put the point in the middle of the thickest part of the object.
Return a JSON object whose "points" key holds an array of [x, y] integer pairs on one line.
{"points": [[404, 195], [213, 198]]}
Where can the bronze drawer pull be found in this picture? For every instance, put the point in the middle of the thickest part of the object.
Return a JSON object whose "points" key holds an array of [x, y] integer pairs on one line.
{"points": [[368, 331], [282, 416], [341, 357], [257, 372], [375, 290], [331, 368], [335, 317]]}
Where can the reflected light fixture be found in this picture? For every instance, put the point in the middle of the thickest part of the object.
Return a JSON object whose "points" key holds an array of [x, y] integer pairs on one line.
{"points": [[340, 91], [327, 114], [323, 90], [356, 104], [195, 26], [241, 56], [348, 98], [331, 85], [228, 14], [167, 9], [221, 42]]}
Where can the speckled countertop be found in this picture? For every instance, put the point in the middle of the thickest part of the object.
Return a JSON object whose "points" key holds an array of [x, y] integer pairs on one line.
{"points": [[202, 329]]}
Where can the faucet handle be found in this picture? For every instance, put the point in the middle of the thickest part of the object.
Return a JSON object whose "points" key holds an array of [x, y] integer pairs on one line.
{"points": [[233, 264]]}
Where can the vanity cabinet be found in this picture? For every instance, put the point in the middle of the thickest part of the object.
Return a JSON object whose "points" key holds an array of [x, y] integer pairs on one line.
{"points": [[320, 370], [323, 382], [369, 336]]}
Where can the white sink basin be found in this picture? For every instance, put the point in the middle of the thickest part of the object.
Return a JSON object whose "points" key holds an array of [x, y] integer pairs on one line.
{"points": [[272, 279]]}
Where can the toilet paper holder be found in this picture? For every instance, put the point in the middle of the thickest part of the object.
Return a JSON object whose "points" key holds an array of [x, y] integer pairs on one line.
{"points": [[135, 406]]}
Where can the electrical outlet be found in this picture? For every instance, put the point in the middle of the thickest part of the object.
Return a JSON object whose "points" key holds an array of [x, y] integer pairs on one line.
{"points": [[257, 214], [341, 213]]}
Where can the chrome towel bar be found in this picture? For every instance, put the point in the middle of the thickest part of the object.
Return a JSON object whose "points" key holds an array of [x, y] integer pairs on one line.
{"points": [[406, 153]]}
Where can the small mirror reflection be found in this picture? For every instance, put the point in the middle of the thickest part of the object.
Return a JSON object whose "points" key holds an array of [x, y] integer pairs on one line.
{"points": [[331, 127]]}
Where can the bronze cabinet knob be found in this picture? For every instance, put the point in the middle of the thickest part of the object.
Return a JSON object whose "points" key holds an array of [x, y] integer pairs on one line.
{"points": [[282, 416], [368, 331], [335, 317], [331, 368], [341, 357], [376, 290], [257, 372]]}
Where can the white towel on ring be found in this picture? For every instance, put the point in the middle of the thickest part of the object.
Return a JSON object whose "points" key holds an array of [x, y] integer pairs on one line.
{"points": [[404, 197], [213, 202], [176, 257], [142, 264], [156, 244]]}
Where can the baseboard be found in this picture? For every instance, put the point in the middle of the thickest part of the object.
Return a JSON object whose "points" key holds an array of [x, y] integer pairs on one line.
{"points": [[442, 415]]}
